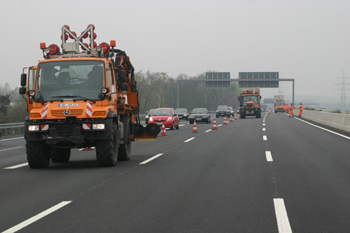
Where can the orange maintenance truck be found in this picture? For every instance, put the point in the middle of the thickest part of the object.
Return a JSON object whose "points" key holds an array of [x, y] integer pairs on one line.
{"points": [[249, 102], [83, 96], [279, 104]]}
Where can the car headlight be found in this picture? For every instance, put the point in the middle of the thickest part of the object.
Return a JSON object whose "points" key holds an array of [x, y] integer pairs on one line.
{"points": [[185, 114], [151, 119], [169, 118], [33, 127], [98, 126]]}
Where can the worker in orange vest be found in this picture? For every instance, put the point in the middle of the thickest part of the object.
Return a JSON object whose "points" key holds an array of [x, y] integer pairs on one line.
{"points": [[301, 108], [291, 110]]}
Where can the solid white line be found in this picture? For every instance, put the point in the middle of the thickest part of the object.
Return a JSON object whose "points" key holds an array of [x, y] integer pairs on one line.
{"points": [[12, 148], [150, 159], [268, 156], [189, 139], [281, 215], [9, 139], [17, 166], [37, 217], [264, 129], [208, 130], [330, 131], [265, 137]]}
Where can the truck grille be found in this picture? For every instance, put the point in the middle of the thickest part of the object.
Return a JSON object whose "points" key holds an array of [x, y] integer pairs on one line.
{"points": [[73, 112]]}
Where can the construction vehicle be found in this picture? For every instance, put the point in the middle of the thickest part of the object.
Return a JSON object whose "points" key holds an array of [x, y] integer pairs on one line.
{"points": [[249, 103], [279, 104], [82, 99]]}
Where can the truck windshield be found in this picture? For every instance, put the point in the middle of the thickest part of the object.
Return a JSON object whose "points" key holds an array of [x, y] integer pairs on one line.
{"points": [[59, 80], [253, 98], [280, 104]]}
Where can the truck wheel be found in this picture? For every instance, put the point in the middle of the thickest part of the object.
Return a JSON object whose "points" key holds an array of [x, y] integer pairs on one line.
{"points": [[38, 154], [60, 155], [107, 150], [124, 151], [242, 115], [258, 114]]}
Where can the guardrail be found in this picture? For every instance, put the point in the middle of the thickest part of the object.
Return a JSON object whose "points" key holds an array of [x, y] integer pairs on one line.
{"points": [[11, 128]]}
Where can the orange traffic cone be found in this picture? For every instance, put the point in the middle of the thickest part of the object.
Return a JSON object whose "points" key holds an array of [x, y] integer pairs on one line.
{"points": [[214, 124], [163, 130], [225, 122], [194, 127], [231, 118]]}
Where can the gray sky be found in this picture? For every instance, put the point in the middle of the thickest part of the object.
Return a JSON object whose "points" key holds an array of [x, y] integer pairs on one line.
{"points": [[308, 40]]}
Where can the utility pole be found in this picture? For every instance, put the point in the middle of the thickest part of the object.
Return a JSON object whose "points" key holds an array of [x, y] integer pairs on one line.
{"points": [[342, 91]]}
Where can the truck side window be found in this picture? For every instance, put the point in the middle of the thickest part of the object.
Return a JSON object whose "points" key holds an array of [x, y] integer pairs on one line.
{"points": [[110, 77]]}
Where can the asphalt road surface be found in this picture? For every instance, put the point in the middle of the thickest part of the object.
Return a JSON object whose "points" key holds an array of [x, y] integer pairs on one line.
{"points": [[274, 174]]}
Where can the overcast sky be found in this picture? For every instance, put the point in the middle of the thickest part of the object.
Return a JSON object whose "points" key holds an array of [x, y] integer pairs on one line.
{"points": [[308, 40]]}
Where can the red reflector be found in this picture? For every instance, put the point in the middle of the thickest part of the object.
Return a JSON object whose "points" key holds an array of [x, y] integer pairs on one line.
{"points": [[67, 27], [66, 36], [54, 49], [74, 33], [85, 45], [95, 44], [93, 26], [85, 36]]}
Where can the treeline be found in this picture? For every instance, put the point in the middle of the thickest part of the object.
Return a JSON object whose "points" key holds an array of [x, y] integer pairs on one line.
{"points": [[13, 108], [155, 90], [160, 90]]}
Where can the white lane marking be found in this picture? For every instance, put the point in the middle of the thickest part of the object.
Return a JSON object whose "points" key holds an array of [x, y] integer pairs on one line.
{"points": [[17, 166], [182, 125], [219, 125], [265, 137], [9, 139], [12, 148], [281, 215], [268, 156], [208, 130], [330, 131], [189, 139], [150, 159], [264, 129], [37, 217]]}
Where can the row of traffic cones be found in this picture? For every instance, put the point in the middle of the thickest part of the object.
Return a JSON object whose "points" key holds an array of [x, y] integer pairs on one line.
{"points": [[214, 123]]}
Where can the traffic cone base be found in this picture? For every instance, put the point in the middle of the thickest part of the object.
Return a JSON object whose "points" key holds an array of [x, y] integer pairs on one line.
{"points": [[163, 130]]}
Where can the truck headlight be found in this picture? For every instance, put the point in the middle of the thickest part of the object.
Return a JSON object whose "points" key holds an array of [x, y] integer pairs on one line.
{"points": [[98, 126], [33, 127]]}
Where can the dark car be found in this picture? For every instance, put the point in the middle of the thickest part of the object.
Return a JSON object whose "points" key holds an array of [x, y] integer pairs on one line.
{"points": [[222, 110], [148, 114], [200, 114], [182, 113]]}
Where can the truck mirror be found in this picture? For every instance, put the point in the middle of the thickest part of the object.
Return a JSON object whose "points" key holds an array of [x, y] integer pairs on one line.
{"points": [[22, 90], [260, 96], [122, 76], [124, 87], [23, 80]]}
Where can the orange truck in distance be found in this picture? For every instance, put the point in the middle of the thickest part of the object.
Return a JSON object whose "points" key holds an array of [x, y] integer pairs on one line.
{"points": [[84, 96], [279, 104], [249, 102]]}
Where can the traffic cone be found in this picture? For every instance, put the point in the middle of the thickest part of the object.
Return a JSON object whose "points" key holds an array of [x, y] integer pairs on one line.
{"points": [[231, 118], [194, 127], [225, 122], [163, 130], [214, 124]]}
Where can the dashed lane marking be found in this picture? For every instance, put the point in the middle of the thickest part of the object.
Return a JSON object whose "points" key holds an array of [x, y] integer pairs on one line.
{"points": [[189, 139], [208, 130], [13, 148], [17, 166], [268, 156], [264, 129], [37, 217], [265, 137], [281, 215], [150, 159]]}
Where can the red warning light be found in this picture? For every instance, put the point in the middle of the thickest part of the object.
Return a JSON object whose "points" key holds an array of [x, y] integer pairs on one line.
{"points": [[66, 35], [54, 49], [93, 26], [67, 27], [85, 36], [95, 36], [85, 45], [42, 46], [105, 47]]}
